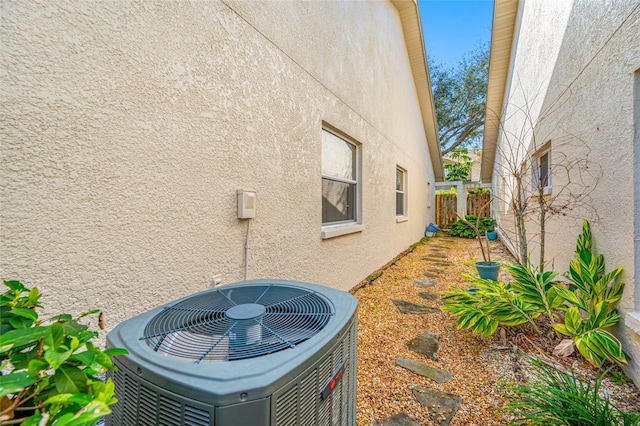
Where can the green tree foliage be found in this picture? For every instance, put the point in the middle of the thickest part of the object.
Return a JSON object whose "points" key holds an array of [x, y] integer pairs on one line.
{"points": [[462, 166], [50, 368], [460, 96]]}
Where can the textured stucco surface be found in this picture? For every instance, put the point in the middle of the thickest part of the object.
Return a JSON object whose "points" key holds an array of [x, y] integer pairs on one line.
{"points": [[127, 128], [574, 68]]}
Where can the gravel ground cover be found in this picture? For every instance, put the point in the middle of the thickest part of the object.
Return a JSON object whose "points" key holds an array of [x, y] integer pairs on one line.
{"points": [[479, 366]]}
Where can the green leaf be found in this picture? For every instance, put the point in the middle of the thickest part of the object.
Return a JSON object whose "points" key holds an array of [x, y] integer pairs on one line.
{"points": [[16, 381], [26, 313], [19, 339], [562, 329], [20, 322], [102, 360], [70, 379], [37, 365], [62, 318], [56, 338], [34, 297], [85, 358], [55, 358], [15, 286], [88, 416], [116, 352], [599, 345], [69, 398], [573, 321]]}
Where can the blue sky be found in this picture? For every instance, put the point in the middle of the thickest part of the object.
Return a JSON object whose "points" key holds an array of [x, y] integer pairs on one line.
{"points": [[453, 27]]}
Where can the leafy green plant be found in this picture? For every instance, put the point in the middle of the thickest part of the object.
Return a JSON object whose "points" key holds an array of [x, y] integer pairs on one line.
{"points": [[461, 229], [50, 367], [536, 288], [593, 297], [558, 398], [589, 304], [493, 304]]}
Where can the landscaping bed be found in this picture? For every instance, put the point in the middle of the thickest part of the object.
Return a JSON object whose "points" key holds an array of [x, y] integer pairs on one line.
{"points": [[480, 368]]}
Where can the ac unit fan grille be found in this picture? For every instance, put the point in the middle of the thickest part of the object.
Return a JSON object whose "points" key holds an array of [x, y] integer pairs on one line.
{"points": [[238, 323]]}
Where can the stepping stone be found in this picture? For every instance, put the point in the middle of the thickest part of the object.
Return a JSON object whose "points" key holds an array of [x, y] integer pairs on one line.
{"points": [[424, 283], [413, 308], [437, 262], [424, 370], [429, 275], [425, 344], [400, 419], [437, 255], [436, 270], [442, 406], [428, 295]]}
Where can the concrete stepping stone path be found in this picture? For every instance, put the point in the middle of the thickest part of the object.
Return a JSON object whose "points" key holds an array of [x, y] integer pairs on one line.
{"points": [[413, 308], [426, 344], [442, 406], [424, 370], [400, 419]]}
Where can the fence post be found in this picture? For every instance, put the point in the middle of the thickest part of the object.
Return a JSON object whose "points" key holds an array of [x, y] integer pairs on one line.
{"points": [[461, 206]]}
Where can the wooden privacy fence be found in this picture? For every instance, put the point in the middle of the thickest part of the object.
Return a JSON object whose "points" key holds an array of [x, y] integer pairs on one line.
{"points": [[478, 204], [447, 205]]}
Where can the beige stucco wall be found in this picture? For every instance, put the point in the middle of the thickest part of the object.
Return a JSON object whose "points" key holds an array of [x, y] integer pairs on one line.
{"points": [[127, 128], [573, 67]]}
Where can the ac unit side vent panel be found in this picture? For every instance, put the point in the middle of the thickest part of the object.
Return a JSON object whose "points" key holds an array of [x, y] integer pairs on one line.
{"points": [[154, 406], [301, 405]]}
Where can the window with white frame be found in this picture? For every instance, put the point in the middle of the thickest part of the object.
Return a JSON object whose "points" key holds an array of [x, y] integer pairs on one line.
{"points": [[542, 170], [340, 183], [401, 192]]}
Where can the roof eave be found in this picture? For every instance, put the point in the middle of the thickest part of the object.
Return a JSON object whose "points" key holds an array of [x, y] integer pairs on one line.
{"points": [[505, 14], [412, 29]]}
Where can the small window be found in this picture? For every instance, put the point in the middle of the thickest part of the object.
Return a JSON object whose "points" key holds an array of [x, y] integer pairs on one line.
{"points": [[401, 192], [542, 170], [339, 180]]}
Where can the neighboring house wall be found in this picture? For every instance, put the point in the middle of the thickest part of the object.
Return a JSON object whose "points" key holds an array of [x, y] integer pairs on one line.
{"points": [[572, 69], [127, 128]]}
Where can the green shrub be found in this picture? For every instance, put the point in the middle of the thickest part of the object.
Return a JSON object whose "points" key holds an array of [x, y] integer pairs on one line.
{"points": [[589, 304], [558, 398], [592, 297], [50, 368], [461, 229]]}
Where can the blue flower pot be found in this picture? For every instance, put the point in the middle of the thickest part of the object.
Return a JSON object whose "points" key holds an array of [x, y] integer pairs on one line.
{"points": [[488, 270], [492, 235]]}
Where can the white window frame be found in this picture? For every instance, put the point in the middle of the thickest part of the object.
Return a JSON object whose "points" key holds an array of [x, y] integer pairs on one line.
{"points": [[338, 228], [535, 172], [402, 216]]}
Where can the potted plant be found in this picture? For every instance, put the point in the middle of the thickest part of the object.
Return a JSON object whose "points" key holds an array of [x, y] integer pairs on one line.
{"points": [[487, 269]]}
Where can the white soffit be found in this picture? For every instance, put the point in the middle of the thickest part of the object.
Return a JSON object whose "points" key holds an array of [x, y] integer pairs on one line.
{"points": [[505, 13], [412, 29]]}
